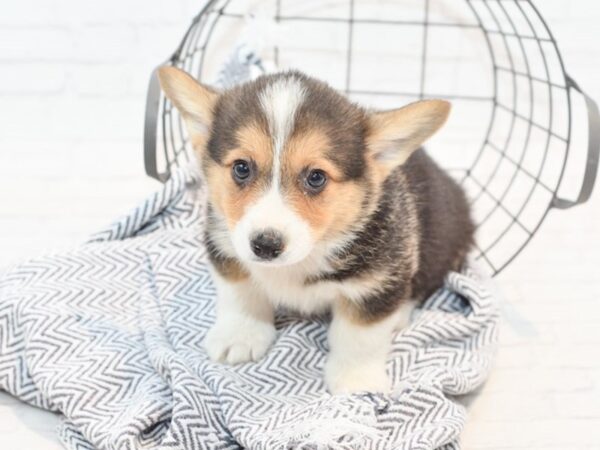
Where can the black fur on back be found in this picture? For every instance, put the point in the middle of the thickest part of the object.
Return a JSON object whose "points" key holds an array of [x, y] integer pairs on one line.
{"points": [[446, 229]]}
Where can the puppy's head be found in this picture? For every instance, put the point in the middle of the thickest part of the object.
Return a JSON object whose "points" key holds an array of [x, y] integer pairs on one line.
{"points": [[290, 163]]}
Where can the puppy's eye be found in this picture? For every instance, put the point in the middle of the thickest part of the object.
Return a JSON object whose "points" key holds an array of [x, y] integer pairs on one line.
{"points": [[241, 170], [315, 180]]}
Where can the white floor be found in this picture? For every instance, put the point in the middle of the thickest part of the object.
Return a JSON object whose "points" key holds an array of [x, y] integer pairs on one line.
{"points": [[70, 161]]}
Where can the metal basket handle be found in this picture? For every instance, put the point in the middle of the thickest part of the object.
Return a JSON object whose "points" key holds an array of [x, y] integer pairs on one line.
{"points": [[153, 97], [591, 167], [150, 123]]}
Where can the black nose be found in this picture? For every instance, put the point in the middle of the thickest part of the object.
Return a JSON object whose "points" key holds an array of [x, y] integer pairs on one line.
{"points": [[267, 244]]}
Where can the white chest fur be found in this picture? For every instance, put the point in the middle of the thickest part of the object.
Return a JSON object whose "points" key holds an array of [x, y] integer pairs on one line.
{"points": [[286, 286]]}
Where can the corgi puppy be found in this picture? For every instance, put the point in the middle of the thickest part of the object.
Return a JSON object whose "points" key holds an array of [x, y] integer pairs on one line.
{"points": [[317, 204]]}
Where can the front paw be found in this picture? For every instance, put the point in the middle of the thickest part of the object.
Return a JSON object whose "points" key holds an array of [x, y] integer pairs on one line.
{"points": [[235, 342], [343, 377]]}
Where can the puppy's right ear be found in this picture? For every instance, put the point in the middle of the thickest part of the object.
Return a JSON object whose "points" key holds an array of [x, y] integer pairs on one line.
{"points": [[194, 101]]}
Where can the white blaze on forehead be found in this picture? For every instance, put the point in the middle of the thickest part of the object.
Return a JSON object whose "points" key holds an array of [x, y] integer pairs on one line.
{"points": [[280, 101]]}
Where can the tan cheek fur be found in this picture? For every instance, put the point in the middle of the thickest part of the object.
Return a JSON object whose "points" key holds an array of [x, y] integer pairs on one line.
{"points": [[339, 206], [331, 212], [225, 195]]}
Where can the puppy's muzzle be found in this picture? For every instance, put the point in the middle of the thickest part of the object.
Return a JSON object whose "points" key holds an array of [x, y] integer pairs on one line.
{"points": [[267, 244]]}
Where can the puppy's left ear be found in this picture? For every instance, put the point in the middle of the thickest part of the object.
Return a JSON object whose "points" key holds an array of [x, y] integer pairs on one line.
{"points": [[395, 134]]}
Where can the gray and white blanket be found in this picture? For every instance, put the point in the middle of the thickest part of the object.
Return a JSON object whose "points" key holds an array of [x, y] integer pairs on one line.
{"points": [[110, 335]]}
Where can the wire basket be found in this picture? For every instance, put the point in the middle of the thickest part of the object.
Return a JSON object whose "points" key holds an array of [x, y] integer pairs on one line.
{"points": [[511, 132]]}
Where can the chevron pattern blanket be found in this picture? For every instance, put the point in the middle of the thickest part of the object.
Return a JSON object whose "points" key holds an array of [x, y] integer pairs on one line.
{"points": [[110, 335]]}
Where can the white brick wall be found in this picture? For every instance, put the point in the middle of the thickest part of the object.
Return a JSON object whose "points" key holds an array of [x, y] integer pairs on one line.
{"points": [[73, 77]]}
